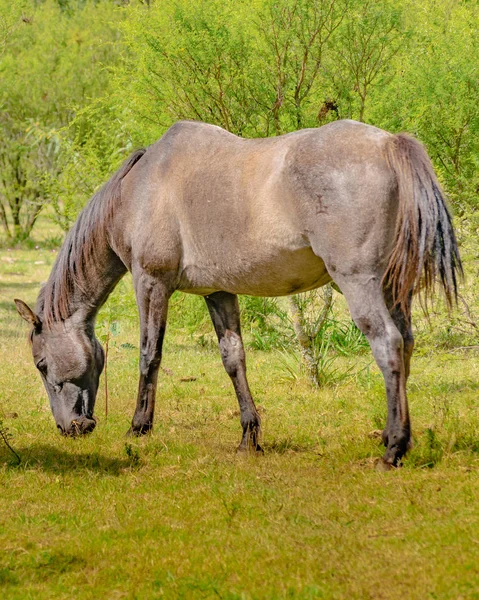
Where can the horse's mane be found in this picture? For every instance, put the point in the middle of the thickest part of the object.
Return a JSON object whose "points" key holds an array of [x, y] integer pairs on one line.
{"points": [[78, 259]]}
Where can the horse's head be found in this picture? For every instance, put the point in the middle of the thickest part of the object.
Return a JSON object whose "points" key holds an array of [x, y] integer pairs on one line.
{"points": [[70, 361]]}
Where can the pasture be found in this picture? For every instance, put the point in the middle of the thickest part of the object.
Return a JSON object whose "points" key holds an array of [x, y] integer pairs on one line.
{"points": [[177, 514]]}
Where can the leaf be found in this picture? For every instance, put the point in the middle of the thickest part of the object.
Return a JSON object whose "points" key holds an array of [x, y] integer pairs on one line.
{"points": [[115, 328]]}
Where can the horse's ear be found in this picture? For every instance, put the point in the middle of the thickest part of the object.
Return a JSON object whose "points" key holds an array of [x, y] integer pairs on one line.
{"points": [[27, 313]]}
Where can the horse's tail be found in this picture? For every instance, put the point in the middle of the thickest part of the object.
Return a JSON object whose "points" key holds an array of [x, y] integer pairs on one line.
{"points": [[425, 249]]}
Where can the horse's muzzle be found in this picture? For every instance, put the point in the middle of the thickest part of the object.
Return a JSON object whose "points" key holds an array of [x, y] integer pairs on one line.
{"points": [[79, 426]]}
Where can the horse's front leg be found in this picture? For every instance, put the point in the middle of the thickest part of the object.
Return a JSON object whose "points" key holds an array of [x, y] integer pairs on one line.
{"points": [[224, 311], [152, 297]]}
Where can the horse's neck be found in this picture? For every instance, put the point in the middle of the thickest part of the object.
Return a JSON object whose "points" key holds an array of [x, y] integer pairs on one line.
{"points": [[108, 271], [82, 278]]}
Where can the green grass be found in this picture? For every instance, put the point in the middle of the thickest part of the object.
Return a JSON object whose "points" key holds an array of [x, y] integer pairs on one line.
{"points": [[178, 514]]}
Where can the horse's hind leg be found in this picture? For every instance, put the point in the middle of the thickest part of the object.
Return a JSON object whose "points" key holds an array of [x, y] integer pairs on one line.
{"points": [[152, 297], [366, 302], [402, 319], [224, 312]]}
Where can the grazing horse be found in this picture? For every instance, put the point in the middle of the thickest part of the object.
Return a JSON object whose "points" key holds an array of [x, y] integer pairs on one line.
{"points": [[208, 213]]}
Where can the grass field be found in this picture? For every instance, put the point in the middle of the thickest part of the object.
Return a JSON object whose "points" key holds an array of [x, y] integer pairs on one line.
{"points": [[178, 514]]}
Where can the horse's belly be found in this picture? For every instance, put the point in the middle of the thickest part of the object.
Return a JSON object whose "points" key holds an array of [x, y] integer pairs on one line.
{"points": [[279, 274]]}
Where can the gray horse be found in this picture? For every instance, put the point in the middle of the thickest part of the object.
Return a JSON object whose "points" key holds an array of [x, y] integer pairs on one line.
{"points": [[208, 213]]}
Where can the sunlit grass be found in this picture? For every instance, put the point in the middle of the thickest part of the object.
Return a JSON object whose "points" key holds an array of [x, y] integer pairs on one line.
{"points": [[178, 514]]}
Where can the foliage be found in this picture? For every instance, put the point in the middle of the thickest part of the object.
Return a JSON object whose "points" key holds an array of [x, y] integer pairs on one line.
{"points": [[434, 94], [11, 14], [46, 71], [104, 77], [373, 34], [254, 68]]}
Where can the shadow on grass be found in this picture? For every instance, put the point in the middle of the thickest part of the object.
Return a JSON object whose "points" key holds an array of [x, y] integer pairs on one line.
{"points": [[40, 566], [50, 459]]}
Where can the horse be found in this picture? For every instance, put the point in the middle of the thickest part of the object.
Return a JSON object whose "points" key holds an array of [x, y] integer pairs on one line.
{"points": [[208, 213]]}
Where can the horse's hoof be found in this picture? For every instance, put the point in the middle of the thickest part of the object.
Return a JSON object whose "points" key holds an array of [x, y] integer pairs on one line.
{"points": [[139, 430], [248, 449], [383, 466], [393, 457]]}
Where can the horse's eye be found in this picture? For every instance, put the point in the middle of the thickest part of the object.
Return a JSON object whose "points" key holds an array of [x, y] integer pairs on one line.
{"points": [[42, 365]]}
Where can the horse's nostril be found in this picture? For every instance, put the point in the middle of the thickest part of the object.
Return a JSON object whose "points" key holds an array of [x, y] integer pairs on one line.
{"points": [[89, 425], [60, 429]]}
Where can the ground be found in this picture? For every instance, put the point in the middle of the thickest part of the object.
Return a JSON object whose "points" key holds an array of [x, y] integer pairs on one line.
{"points": [[178, 514]]}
